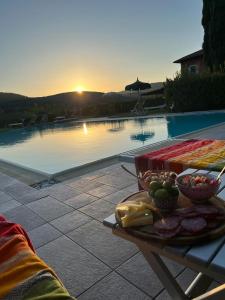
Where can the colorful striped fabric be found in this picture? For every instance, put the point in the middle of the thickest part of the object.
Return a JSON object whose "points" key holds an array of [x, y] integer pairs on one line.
{"points": [[23, 275], [199, 154]]}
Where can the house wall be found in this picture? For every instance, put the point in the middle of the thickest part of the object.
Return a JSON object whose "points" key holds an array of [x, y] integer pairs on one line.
{"points": [[197, 61]]}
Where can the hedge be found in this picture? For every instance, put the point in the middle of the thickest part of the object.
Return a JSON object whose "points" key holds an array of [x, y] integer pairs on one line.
{"points": [[193, 92]]}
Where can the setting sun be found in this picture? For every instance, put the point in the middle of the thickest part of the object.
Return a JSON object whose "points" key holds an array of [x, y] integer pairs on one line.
{"points": [[79, 89]]}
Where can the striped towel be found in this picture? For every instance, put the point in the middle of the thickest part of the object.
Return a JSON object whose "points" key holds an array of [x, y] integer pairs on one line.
{"points": [[199, 154], [23, 275]]}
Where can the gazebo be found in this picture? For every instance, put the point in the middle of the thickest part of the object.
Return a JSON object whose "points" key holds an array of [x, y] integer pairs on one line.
{"points": [[138, 86]]}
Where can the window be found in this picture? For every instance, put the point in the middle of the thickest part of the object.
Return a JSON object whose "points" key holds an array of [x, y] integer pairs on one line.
{"points": [[193, 69]]}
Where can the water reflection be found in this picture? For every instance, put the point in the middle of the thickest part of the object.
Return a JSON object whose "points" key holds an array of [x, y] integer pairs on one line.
{"points": [[16, 136], [85, 129], [20, 135], [143, 136], [117, 125]]}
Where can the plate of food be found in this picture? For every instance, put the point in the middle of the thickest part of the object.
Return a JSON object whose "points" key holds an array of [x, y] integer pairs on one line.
{"points": [[187, 224]]}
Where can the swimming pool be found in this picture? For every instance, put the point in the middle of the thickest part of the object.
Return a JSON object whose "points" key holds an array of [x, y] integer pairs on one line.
{"points": [[56, 147]]}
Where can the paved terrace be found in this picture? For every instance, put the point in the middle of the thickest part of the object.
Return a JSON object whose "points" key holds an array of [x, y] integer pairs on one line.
{"points": [[64, 222]]}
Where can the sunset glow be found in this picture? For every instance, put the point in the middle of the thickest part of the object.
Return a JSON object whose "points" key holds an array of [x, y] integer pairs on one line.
{"points": [[79, 89], [91, 50]]}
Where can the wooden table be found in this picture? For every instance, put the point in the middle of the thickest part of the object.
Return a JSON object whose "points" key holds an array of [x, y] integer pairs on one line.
{"points": [[207, 259]]}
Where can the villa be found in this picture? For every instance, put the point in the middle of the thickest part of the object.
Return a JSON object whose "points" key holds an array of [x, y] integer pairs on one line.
{"points": [[193, 63]]}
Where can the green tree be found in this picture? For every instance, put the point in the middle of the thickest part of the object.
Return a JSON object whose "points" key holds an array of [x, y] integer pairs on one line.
{"points": [[213, 22]]}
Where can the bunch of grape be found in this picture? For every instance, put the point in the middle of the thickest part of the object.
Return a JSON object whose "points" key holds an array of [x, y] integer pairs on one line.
{"points": [[161, 185]]}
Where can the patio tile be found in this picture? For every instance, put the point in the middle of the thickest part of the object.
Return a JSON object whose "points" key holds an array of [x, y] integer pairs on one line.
{"points": [[5, 206], [163, 296], [132, 188], [174, 267], [100, 241], [43, 235], [70, 221], [184, 279], [76, 182], [32, 196], [24, 216], [93, 175], [4, 197], [117, 196], [116, 181], [84, 184], [90, 186], [113, 287], [81, 200], [117, 170], [49, 208], [137, 271], [77, 268], [62, 192], [6, 180], [102, 191], [18, 189], [99, 209]]}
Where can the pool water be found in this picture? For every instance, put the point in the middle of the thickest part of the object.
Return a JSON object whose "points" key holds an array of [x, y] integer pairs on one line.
{"points": [[56, 147]]}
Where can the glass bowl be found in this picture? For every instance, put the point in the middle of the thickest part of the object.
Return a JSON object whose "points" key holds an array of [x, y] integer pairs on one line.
{"points": [[200, 192]]}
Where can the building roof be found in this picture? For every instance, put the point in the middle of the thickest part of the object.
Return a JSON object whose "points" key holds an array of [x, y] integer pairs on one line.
{"points": [[198, 53]]}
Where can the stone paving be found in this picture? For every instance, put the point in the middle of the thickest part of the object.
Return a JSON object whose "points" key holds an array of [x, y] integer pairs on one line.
{"points": [[64, 222]]}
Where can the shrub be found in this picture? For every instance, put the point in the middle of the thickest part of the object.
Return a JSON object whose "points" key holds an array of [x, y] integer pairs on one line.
{"points": [[189, 92]]}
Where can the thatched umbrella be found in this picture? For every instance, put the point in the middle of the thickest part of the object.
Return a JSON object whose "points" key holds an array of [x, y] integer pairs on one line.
{"points": [[137, 86]]}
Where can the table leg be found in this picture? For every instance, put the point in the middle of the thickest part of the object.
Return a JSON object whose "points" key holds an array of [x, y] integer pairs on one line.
{"points": [[164, 274]]}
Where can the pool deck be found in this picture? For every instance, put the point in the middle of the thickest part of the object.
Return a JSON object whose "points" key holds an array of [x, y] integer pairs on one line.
{"points": [[66, 219]]}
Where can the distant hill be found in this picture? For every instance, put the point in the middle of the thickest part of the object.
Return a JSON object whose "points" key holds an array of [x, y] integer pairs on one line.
{"points": [[15, 108], [11, 100], [6, 97], [8, 100]]}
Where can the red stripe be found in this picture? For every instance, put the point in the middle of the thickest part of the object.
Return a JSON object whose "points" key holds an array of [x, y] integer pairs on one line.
{"points": [[186, 149], [141, 161], [8, 229], [170, 148]]}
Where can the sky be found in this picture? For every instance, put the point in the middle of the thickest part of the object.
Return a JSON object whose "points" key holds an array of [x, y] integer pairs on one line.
{"points": [[53, 46]]}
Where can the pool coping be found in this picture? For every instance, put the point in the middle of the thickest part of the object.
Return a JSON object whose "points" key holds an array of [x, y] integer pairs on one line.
{"points": [[33, 176], [88, 120]]}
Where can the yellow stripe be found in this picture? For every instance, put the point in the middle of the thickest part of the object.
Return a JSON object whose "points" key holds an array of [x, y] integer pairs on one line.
{"points": [[22, 264], [203, 156]]}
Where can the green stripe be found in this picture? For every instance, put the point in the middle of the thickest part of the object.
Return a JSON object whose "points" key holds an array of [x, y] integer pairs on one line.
{"points": [[47, 289]]}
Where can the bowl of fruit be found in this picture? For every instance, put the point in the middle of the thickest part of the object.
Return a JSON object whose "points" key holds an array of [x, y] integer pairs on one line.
{"points": [[197, 186], [162, 188]]}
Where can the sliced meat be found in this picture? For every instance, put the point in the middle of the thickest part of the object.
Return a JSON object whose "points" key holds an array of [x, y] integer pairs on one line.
{"points": [[175, 217], [206, 210], [212, 224], [194, 225], [185, 211], [169, 234], [167, 224]]}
